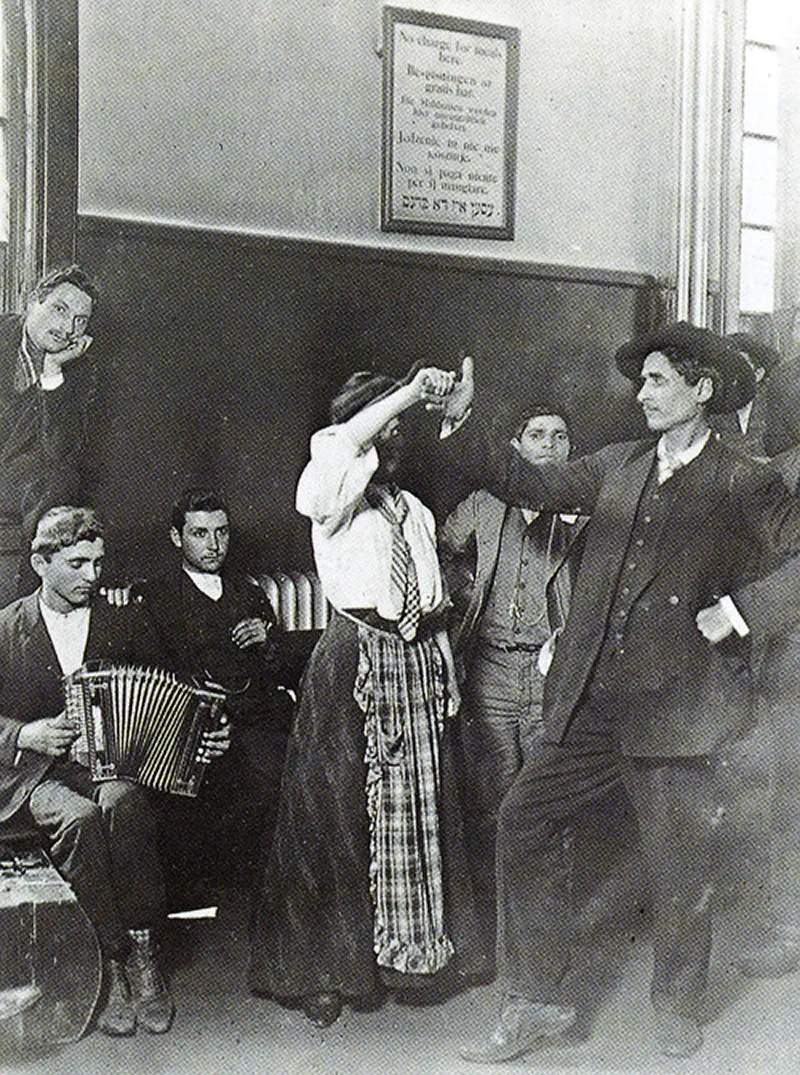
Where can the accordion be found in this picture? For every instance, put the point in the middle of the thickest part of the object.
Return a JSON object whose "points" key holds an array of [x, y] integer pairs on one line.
{"points": [[141, 724]]}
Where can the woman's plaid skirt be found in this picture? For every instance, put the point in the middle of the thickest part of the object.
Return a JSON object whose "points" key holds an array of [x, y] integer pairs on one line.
{"points": [[350, 839]]}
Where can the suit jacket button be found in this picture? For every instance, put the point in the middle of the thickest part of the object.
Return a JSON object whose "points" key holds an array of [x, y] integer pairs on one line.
{"points": [[674, 599]]}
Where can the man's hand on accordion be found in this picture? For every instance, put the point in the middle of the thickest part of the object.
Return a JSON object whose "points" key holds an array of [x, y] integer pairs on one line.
{"points": [[52, 736], [214, 744]]}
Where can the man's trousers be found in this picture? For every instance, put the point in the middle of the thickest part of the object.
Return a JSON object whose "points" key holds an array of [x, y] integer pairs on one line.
{"points": [[500, 728], [781, 709], [102, 839], [557, 790]]}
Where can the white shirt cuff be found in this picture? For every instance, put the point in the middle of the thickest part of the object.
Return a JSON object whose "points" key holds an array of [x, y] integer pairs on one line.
{"points": [[738, 622], [51, 381]]}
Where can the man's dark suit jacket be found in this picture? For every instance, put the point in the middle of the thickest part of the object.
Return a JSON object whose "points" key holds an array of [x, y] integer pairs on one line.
{"points": [[788, 466], [172, 644], [476, 527], [774, 425], [41, 433], [682, 696], [778, 671], [30, 683], [753, 442]]}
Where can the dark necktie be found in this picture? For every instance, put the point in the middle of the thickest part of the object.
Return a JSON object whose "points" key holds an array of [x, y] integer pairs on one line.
{"points": [[392, 505]]}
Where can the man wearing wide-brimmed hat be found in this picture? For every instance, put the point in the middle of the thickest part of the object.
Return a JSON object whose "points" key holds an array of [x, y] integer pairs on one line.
{"points": [[367, 886], [636, 694], [759, 427]]}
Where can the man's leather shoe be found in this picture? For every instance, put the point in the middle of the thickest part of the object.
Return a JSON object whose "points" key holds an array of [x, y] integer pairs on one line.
{"points": [[678, 1035], [118, 1017], [322, 1009], [771, 959], [522, 1025]]}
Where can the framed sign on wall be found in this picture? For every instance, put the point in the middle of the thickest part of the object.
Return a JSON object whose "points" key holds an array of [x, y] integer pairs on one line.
{"points": [[450, 90]]}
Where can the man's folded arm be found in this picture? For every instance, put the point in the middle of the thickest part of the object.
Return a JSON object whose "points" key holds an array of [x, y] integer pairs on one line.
{"points": [[276, 656]]}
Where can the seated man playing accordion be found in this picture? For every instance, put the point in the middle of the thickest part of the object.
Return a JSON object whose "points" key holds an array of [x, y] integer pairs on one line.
{"points": [[101, 836]]}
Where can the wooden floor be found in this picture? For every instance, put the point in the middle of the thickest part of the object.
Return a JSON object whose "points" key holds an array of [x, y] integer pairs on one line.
{"points": [[752, 1027], [221, 1030]]}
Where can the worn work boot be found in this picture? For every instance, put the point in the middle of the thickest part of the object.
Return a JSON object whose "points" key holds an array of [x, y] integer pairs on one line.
{"points": [[153, 1003], [118, 1018], [522, 1025]]}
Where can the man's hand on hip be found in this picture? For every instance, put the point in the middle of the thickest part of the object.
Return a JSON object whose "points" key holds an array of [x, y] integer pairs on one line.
{"points": [[713, 623]]}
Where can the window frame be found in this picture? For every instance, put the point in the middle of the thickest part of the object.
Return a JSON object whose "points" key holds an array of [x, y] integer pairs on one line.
{"points": [[42, 141], [747, 227]]}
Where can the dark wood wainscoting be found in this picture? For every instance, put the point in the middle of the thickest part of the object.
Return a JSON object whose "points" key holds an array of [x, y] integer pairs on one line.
{"points": [[218, 353]]}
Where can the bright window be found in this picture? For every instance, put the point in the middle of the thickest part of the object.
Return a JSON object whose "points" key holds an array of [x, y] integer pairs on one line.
{"points": [[757, 294], [763, 21], [759, 191], [759, 158], [761, 90]]}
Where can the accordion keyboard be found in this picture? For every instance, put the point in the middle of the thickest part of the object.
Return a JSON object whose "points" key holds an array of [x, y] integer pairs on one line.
{"points": [[141, 724]]}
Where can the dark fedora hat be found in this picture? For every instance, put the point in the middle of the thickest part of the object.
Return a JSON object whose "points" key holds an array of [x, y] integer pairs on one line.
{"points": [[736, 384], [363, 388], [759, 353]]}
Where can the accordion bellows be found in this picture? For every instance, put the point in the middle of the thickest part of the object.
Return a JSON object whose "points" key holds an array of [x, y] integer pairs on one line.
{"points": [[141, 724]]}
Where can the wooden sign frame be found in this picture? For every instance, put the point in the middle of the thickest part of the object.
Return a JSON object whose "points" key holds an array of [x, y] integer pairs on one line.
{"points": [[450, 100]]}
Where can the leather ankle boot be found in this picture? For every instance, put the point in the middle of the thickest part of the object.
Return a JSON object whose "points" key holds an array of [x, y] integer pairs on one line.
{"points": [[154, 1006], [118, 1017]]}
